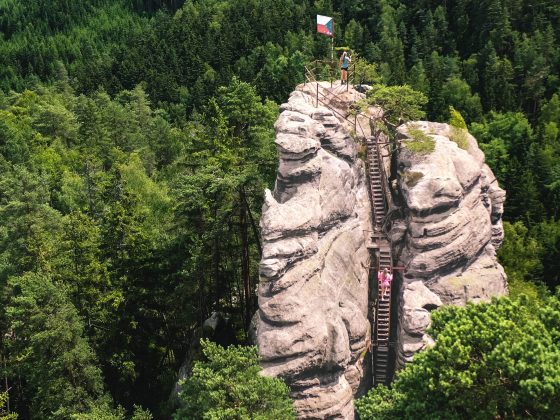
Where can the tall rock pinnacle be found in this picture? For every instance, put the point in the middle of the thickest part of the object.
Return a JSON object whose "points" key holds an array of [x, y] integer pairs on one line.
{"points": [[312, 328], [315, 319]]}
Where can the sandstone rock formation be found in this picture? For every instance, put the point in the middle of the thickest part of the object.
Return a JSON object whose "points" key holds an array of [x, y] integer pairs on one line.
{"points": [[312, 324], [446, 232]]}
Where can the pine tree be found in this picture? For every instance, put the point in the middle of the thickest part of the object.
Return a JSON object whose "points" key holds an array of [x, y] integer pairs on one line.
{"points": [[228, 385], [47, 350], [489, 360]]}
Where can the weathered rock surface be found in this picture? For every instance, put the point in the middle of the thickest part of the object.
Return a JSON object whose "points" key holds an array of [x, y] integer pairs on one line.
{"points": [[312, 324], [448, 232], [312, 327]]}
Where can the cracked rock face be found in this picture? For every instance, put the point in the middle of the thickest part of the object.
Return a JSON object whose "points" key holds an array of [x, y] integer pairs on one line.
{"points": [[312, 324], [448, 232]]}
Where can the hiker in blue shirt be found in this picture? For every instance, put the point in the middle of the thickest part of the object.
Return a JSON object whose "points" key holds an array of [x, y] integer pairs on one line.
{"points": [[344, 63]]}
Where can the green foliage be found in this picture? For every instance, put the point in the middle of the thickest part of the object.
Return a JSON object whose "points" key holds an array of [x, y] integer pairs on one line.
{"points": [[489, 360], [513, 128], [390, 48], [133, 180], [519, 253], [399, 103], [365, 72], [547, 235], [4, 415], [459, 136], [521, 257], [228, 385], [420, 143], [228, 166], [457, 93], [132, 218], [101, 411], [456, 119], [458, 130], [417, 134], [49, 350], [510, 144], [41, 38]]}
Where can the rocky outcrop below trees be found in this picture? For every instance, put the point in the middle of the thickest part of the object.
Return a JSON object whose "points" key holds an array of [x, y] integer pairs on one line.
{"points": [[445, 231], [312, 324], [445, 218]]}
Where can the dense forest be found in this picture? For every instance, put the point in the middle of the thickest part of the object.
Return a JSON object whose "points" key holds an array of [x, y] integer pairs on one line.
{"points": [[136, 139]]}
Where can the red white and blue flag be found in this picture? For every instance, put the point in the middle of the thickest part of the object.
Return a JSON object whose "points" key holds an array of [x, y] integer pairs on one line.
{"points": [[325, 25]]}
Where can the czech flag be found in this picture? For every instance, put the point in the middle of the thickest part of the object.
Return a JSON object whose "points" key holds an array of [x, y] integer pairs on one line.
{"points": [[325, 25]]}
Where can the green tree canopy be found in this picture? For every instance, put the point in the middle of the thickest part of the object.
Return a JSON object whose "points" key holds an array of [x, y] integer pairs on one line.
{"points": [[228, 385], [399, 103], [5, 415], [496, 360], [48, 349]]}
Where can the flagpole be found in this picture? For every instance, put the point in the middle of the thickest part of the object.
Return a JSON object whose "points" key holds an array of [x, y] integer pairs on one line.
{"points": [[332, 42], [332, 57]]}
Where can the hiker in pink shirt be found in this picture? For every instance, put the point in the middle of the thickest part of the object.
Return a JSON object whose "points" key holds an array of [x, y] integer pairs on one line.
{"points": [[384, 278]]}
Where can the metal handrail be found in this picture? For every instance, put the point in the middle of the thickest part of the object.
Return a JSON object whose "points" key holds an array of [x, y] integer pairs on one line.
{"points": [[332, 67], [332, 109], [310, 77], [384, 178]]}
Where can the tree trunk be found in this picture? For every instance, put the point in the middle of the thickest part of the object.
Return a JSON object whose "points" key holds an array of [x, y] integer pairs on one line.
{"points": [[253, 225], [218, 286], [245, 274]]}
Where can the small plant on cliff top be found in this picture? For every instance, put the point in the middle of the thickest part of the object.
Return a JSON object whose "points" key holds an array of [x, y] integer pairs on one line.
{"points": [[228, 385], [497, 360], [411, 178], [458, 129], [420, 142]]}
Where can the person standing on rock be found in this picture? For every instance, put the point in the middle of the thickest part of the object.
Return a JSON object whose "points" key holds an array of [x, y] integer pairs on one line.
{"points": [[384, 278], [344, 63]]}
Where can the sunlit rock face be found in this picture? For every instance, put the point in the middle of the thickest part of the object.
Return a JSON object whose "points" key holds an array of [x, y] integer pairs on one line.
{"points": [[312, 324], [446, 233]]}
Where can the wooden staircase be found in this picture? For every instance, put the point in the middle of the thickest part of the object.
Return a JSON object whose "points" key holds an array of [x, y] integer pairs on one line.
{"points": [[383, 325], [382, 248], [376, 184]]}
